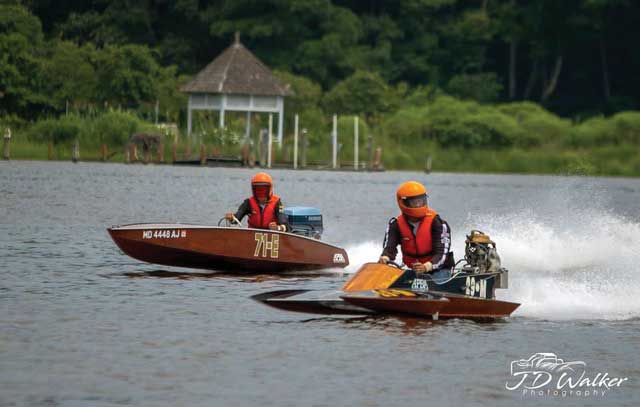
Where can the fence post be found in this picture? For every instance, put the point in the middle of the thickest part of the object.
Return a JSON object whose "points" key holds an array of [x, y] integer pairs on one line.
{"points": [[104, 152], [6, 150], [269, 141], [355, 143], [75, 156], [334, 142], [305, 142], [295, 143], [50, 151]]}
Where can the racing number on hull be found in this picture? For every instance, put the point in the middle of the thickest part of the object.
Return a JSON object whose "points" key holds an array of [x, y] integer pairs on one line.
{"points": [[266, 242], [476, 288]]}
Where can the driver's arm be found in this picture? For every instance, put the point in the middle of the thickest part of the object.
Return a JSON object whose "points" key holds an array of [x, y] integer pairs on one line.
{"points": [[278, 211], [392, 239], [243, 209]]}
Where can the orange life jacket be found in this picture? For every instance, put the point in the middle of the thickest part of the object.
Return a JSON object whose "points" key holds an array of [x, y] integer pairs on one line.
{"points": [[260, 219], [418, 247]]}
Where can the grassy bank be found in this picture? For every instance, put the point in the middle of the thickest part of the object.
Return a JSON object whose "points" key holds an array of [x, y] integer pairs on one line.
{"points": [[458, 135]]}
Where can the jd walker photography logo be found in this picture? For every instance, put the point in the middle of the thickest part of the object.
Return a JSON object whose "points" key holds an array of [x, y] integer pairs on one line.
{"points": [[546, 375]]}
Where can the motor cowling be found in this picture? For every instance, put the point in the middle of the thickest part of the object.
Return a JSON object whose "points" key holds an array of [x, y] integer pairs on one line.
{"points": [[303, 220]]}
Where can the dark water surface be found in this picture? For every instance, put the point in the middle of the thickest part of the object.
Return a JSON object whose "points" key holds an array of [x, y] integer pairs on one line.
{"points": [[81, 324]]}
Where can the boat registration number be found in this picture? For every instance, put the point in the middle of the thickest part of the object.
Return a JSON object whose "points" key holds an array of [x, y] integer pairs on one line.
{"points": [[164, 234]]}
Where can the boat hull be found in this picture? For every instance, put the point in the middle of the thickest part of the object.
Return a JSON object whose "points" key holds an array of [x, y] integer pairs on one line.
{"points": [[377, 288], [227, 249]]}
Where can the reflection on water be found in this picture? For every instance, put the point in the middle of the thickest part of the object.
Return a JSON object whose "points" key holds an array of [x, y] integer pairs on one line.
{"points": [[84, 325]]}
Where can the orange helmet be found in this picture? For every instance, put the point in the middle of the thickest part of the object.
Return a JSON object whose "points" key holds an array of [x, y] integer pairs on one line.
{"points": [[413, 199], [262, 185]]}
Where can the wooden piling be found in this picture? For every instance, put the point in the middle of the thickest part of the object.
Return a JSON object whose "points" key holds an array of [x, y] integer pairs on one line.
{"points": [[104, 152], [174, 153], [370, 151], [50, 151], [161, 153], [75, 156], [203, 154], [6, 148], [127, 154], [377, 162], [133, 153]]}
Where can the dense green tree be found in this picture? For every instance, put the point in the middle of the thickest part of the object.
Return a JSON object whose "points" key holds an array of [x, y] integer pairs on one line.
{"points": [[20, 38]]}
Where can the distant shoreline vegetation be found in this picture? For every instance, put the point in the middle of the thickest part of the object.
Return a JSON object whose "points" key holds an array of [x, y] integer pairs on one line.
{"points": [[59, 84]]}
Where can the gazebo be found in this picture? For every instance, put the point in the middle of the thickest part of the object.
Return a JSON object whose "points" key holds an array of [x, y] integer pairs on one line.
{"points": [[236, 81]]}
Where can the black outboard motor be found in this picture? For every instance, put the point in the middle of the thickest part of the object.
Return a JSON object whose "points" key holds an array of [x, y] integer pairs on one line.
{"points": [[303, 220]]}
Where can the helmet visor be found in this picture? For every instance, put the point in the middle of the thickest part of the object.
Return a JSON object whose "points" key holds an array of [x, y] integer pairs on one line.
{"points": [[416, 201], [261, 191]]}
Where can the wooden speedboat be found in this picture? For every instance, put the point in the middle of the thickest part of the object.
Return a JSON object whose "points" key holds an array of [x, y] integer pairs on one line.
{"points": [[378, 288], [226, 248]]}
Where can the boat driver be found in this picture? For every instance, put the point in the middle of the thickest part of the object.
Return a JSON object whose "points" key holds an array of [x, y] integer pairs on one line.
{"points": [[424, 238], [263, 207]]}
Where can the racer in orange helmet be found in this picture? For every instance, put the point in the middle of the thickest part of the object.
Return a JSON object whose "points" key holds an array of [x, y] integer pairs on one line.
{"points": [[263, 207], [425, 239]]}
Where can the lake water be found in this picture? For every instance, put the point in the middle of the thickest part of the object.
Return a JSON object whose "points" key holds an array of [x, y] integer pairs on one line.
{"points": [[82, 324]]}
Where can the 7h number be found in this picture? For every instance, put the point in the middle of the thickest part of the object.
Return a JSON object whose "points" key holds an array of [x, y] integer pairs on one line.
{"points": [[266, 242]]}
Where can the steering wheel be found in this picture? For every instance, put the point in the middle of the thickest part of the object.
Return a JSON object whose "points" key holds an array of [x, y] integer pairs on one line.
{"points": [[234, 223]]}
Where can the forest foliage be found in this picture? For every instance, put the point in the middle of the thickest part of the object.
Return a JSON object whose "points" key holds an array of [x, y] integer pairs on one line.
{"points": [[445, 73]]}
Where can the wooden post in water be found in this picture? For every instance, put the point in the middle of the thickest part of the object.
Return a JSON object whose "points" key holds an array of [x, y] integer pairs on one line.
{"points": [[6, 148], [334, 143], [50, 151], [295, 143], [203, 154], [377, 163], [104, 152], [75, 156], [133, 152], [370, 152], [355, 143], [305, 142], [161, 153], [269, 141]]}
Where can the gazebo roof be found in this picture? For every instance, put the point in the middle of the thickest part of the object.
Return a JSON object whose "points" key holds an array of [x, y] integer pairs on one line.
{"points": [[237, 71]]}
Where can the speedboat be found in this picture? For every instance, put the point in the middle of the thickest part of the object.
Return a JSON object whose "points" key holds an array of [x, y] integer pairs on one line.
{"points": [[389, 288], [232, 248]]}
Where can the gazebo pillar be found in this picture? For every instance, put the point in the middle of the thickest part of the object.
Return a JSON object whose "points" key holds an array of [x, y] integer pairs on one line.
{"points": [[280, 119]]}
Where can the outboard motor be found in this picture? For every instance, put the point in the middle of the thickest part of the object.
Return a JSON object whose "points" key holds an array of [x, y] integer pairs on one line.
{"points": [[481, 256], [303, 220]]}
